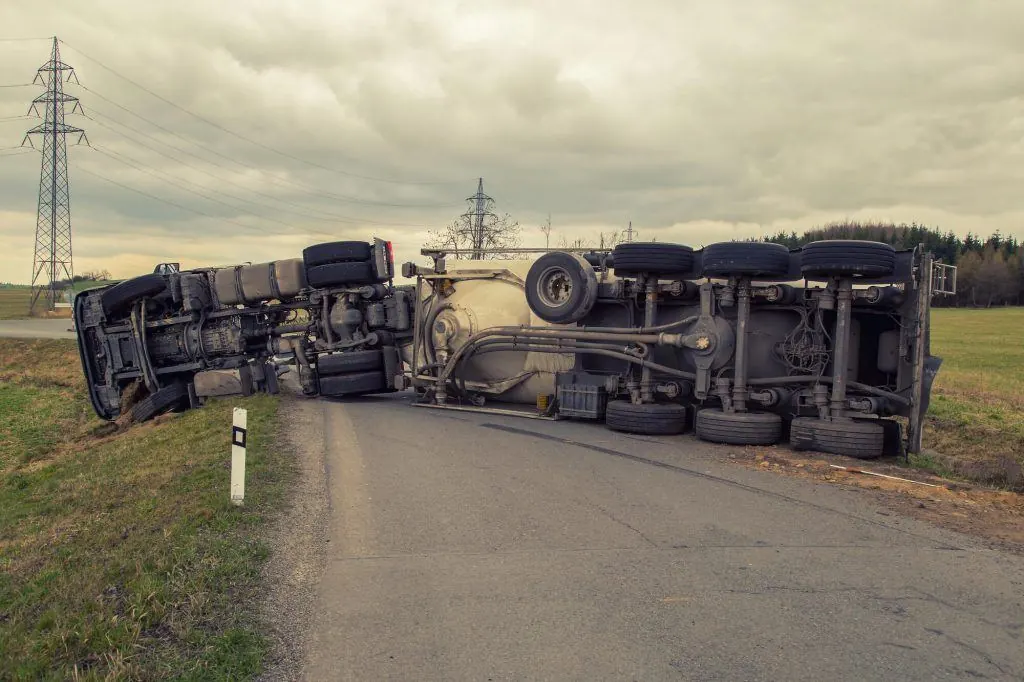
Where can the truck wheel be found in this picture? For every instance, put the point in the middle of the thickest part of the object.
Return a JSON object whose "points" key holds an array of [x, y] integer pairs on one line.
{"points": [[860, 439], [561, 288], [349, 361], [745, 258], [652, 419], [157, 403], [337, 252], [848, 258], [655, 258], [353, 384], [738, 428], [336, 274], [123, 294]]}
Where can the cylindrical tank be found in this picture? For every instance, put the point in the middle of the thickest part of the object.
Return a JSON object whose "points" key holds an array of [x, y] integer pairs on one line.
{"points": [[474, 305], [250, 284]]}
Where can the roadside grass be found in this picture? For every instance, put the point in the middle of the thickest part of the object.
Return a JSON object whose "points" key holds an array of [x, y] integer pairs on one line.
{"points": [[121, 556], [977, 406]]}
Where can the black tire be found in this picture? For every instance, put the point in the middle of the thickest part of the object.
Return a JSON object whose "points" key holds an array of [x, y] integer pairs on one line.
{"points": [[348, 362], [738, 428], [337, 252], [353, 384], [122, 295], [157, 403], [652, 419], [561, 288], [654, 258], [337, 274], [860, 439], [745, 258], [848, 258]]}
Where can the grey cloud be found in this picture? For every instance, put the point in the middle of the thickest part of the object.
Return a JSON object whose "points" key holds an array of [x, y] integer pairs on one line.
{"points": [[692, 119]]}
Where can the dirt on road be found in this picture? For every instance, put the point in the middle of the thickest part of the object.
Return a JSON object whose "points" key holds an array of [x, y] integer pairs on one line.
{"points": [[996, 516]]}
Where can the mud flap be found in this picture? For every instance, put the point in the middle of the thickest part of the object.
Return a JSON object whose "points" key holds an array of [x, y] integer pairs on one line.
{"points": [[931, 368]]}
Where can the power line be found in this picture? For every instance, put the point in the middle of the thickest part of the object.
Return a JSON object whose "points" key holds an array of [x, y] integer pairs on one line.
{"points": [[18, 85], [326, 216], [308, 189], [256, 142], [172, 203], [154, 173], [173, 180], [22, 40]]}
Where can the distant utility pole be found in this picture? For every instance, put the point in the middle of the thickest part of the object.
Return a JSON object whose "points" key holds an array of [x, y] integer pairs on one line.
{"points": [[51, 262], [629, 232]]}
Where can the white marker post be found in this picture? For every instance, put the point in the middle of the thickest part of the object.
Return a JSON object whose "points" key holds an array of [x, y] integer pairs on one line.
{"points": [[238, 433]]}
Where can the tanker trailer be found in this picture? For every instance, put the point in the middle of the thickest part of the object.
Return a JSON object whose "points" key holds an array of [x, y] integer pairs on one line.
{"points": [[746, 343]]}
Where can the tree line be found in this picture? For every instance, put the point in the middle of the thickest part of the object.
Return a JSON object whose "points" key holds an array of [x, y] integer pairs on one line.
{"points": [[990, 272]]}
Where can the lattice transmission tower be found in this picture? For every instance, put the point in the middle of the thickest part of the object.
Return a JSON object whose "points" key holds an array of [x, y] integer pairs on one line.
{"points": [[480, 217], [51, 262]]}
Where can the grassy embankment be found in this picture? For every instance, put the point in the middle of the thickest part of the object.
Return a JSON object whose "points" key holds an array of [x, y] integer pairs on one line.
{"points": [[121, 555], [977, 407]]}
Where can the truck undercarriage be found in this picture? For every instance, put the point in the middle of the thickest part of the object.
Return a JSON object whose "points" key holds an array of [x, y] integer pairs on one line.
{"points": [[744, 342]]}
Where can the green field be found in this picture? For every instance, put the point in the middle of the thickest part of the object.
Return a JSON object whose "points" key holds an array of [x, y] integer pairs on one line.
{"points": [[121, 556], [977, 407], [14, 300]]}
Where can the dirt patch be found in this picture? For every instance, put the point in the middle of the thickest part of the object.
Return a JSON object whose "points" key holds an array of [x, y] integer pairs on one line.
{"points": [[297, 540], [996, 516]]}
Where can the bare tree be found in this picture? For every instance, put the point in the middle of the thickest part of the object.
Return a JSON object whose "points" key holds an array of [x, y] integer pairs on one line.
{"points": [[478, 230], [545, 229]]}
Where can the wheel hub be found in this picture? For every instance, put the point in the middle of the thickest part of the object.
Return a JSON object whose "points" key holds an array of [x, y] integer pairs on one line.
{"points": [[555, 287]]}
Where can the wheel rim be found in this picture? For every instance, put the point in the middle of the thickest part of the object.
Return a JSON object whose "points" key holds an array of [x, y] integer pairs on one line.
{"points": [[554, 287]]}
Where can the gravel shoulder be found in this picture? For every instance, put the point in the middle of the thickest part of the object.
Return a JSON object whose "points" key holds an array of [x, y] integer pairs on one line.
{"points": [[298, 540]]}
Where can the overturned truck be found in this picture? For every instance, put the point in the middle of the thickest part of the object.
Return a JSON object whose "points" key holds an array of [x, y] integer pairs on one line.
{"points": [[748, 343]]}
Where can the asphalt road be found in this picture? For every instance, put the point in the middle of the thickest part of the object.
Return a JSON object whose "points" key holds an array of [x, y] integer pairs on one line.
{"points": [[477, 547], [37, 329]]}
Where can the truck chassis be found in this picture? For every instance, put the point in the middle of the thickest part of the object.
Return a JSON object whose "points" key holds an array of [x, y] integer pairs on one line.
{"points": [[746, 343]]}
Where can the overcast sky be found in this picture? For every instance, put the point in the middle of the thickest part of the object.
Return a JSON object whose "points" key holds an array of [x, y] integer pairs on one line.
{"points": [[698, 121]]}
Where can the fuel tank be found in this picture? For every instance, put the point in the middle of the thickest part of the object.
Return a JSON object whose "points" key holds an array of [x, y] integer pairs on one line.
{"points": [[481, 295]]}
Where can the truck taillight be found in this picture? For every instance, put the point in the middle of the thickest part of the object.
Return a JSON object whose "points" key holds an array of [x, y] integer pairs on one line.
{"points": [[391, 255]]}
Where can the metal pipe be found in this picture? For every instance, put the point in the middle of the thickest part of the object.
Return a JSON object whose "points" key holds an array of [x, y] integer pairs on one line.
{"points": [[327, 321], [841, 351], [540, 332], [650, 312], [856, 386], [739, 391], [607, 353], [417, 319]]}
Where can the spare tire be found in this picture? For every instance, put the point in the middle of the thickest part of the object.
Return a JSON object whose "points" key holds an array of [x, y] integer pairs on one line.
{"points": [[337, 252], [654, 258], [337, 274], [847, 258], [561, 288], [123, 294], [745, 258]]}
